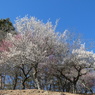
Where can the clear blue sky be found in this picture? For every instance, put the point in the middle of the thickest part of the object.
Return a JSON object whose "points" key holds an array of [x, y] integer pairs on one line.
{"points": [[76, 15]]}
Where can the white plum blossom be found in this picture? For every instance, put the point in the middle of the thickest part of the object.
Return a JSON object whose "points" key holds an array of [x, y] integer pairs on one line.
{"points": [[34, 44], [84, 56]]}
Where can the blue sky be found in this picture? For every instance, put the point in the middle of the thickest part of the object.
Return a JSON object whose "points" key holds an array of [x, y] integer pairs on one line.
{"points": [[75, 15]]}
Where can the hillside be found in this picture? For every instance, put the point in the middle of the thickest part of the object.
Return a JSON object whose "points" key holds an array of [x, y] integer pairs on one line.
{"points": [[34, 92]]}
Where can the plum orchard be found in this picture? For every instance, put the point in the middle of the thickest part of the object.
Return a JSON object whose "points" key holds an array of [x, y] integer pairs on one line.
{"points": [[38, 57]]}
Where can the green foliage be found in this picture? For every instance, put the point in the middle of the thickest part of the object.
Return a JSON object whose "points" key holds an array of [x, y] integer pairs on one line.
{"points": [[6, 26]]}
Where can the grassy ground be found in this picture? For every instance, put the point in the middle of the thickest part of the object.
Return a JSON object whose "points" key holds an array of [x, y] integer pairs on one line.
{"points": [[34, 92]]}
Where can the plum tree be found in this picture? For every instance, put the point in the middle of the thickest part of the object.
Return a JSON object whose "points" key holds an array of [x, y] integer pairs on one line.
{"points": [[46, 57]]}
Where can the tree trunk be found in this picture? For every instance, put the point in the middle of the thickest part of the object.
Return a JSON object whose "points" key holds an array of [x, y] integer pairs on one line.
{"points": [[26, 75], [74, 87], [23, 84], [37, 85], [87, 88], [15, 82], [1, 81]]}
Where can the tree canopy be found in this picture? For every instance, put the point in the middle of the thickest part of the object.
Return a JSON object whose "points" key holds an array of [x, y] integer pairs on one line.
{"points": [[6, 26], [38, 57]]}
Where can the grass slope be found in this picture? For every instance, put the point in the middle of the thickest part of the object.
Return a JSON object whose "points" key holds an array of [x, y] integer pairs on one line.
{"points": [[35, 92]]}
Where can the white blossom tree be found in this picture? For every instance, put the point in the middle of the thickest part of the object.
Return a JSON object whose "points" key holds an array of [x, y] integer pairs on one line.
{"points": [[37, 50], [35, 43], [78, 63]]}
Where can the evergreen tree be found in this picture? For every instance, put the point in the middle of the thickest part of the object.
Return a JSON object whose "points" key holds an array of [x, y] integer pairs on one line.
{"points": [[6, 26]]}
